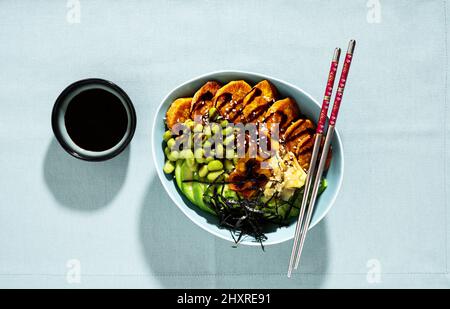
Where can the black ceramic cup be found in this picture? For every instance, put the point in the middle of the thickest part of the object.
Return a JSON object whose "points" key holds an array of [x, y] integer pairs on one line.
{"points": [[93, 119]]}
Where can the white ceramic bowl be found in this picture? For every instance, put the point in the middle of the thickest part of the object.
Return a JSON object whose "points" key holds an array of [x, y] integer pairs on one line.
{"points": [[308, 106]]}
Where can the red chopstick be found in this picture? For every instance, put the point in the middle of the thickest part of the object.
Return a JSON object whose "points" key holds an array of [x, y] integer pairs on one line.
{"points": [[326, 146], [317, 141]]}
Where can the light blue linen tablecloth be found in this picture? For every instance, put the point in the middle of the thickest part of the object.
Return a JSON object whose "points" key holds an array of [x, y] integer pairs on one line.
{"points": [[113, 221]]}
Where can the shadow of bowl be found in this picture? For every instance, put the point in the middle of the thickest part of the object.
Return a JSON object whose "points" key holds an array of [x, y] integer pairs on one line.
{"points": [[83, 185], [181, 255]]}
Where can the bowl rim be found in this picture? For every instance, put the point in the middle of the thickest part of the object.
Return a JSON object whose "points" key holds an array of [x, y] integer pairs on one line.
{"points": [[263, 76]]}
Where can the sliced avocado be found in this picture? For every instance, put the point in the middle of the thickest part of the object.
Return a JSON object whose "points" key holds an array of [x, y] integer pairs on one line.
{"points": [[283, 209], [187, 186], [228, 193], [194, 191], [178, 178], [199, 190], [294, 212], [323, 185]]}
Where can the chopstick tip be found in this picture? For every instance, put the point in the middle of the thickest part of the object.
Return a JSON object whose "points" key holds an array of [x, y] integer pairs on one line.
{"points": [[337, 54], [351, 46]]}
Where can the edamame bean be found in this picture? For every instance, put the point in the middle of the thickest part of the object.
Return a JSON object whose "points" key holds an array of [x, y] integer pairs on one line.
{"points": [[207, 144], [173, 156], [198, 128], [215, 165], [227, 131], [186, 154], [198, 144], [235, 160], [189, 123], [169, 167], [214, 175], [215, 128], [199, 153], [191, 163], [203, 171], [219, 151], [166, 151], [207, 131], [210, 158], [229, 166], [200, 160], [229, 154], [167, 135], [171, 142], [228, 140], [224, 123], [198, 136], [212, 113], [187, 141]]}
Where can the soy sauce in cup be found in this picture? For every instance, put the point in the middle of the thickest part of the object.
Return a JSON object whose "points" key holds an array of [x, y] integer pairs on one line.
{"points": [[93, 119]]}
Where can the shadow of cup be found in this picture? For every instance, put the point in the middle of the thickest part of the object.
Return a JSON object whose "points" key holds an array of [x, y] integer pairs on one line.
{"points": [[83, 185]]}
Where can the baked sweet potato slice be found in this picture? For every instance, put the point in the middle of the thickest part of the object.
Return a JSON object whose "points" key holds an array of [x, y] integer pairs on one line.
{"points": [[203, 99], [262, 89], [299, 139], [258, 101], [283, 112], [304, 150], [228, 100], [248, 177], [298, 133], [178, 112]]}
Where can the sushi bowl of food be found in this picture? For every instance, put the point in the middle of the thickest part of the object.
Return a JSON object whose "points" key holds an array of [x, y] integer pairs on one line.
{"points": [[232, 150]]}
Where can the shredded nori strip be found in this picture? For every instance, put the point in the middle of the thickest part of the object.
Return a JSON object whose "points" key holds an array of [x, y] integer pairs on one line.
{"points": [[244, 217]]}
